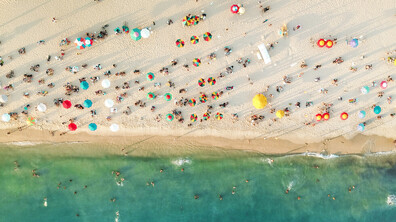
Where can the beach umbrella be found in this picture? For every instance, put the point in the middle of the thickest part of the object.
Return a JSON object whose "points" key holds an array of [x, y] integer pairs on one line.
{"points": [[219, 116], [145, 33], [84, 85], [353, 43], [79, 43], [125, 29], [41, 107], [87, 103], [88, 42], [135, 34], [168, 96], [179, 43], [321, 43], [6, 117], [66, 104], [194, 20], [150, 96], [201, 82], [259, 101], [344, 116], [192, 102], [186, 21], [207, 36], [326, 116], [196, 62], [150, 76], [169, 117], [362, 114], [211, 80], [194, 39], [31, 121], [241, 10], [193, 117], [360, 127], [3, 98], [215, 95], [203, 98], [114, 127], [234, 9], [72, 127], [106, 83], [109, 103], [206, 116], [92, 126], [329, 43], [377, 109], [318, 117], [365, 89], [384, 84], [280, 114]]}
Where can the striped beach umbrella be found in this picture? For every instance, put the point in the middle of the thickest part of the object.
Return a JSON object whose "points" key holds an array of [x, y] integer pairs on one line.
{"points": [[150, 76], [31, 121], [150, 96], [219, 116], [92, 126], [377, 109], [215, 95], [169, 117], [87, 103], [192, 102], [66, 104], [318, 117], [234, 8], [321, 43], [344, 116], [168, 96], [201, 82], [207, 36], [206, 116], [194, 39], [84, 85], [72, 127], [211, 80], [196, 62], [88, 42], [194, 20], [193, 117], [6, 117], [203, 98], [365, 89], [329, 43], [186, 21], [326, 116], [79, 43], [179, 43], [135, 34]]}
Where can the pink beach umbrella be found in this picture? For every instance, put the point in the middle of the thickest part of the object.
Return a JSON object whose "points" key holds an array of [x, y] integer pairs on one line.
{"points": [[384, 84]]}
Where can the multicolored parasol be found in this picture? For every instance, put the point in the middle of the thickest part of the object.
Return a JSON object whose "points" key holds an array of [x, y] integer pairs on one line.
{"points": [[179, 43], [215, 95], [192, 102], [193, 117], [219, 116], [201, 82], [196, 62], [194, 39], [203, 98], [88, 42], [207, 36], [135, 34], [79, 43], [211, 80], [206, 116], [186, 21], [31, 121], [168, 96]]}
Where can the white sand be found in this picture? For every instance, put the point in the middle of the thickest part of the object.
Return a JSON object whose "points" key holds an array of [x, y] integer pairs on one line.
{"points": [[23, 23]]}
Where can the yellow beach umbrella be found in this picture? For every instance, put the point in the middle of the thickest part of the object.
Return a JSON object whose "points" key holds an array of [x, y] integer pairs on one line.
{"points": [[259, 101], [280, 114]]}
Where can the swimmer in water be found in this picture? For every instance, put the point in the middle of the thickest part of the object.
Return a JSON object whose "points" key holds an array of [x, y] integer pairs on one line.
{"points": [[220, 197], [298, 198], [161, 170], [287, 191], [45, 202], [196, 197]]}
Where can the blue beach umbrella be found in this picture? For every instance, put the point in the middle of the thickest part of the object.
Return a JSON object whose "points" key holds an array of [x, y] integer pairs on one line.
{"points": [[87, 103], [360, 127], [92, 126], [84, 85], [377, 110], [135, 34], [365, 89], [362, 114]]}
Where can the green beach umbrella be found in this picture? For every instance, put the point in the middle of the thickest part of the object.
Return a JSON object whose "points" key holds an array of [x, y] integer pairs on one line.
{"points": [[87, 103], [193, 117], [92, 126], [168, 96], [150, 76], [135, 34], [150, 96], [84, 85], [169, 117]]}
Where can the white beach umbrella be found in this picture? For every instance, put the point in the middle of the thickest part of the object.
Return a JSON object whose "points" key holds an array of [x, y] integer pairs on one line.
{"points": [[114, 127], [362, 114], [109, 103], [6, 117], [365, 89], [3, 98], [145, 33], [41, 107], [106, 83]]}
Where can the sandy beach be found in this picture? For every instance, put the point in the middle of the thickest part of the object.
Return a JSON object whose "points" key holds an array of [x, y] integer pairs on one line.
{"points": [[25, 23]]}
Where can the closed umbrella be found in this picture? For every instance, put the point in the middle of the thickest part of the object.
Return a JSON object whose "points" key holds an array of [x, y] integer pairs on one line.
{"points": [[72, 127], [87, 103], [84, 85], [109, 103], [114, 127], [362, 114], [365, 89], [145, 33], [259, 101], [106, 83], [135, 34], [377, 109], [92, 126], [3, 98], [66, 104], [41, 107], [6, 117]]}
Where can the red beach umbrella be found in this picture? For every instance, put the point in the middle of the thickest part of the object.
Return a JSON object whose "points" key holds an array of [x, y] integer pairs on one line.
{"points": [[72, 126], [326, 116], [321, 43], [329, 44], [344, 116], [384, 84], [318, 117], [66, 104], [234, 9]]}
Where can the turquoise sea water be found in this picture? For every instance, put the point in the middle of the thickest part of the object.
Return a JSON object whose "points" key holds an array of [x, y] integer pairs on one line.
{"points": [[262, 198]]}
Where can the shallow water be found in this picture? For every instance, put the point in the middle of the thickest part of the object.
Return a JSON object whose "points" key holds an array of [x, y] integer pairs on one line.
{"points": [[263, 198]]}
